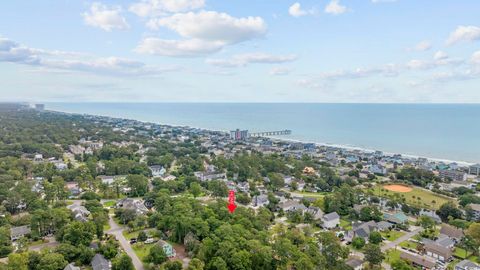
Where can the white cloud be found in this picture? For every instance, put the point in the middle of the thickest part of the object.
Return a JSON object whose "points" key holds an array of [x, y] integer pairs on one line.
{"points": [[476, 57], [178, 48], [418, 64], [296, 10], [204, 32], [335, 8], [424, 45], [279, 71], [251, 58], [152, 8], [14, 52], [105, 18], [212, 25], [464, 33], [440, 55]]}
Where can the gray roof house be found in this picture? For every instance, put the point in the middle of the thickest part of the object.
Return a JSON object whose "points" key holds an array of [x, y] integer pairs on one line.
{"points": [[316, 212], [466, 265], [100, 263], [354, 263], [331, 220], [71, 266], [19, 232], [133, 204], [452, 232], [80, 213], [292, 205]]}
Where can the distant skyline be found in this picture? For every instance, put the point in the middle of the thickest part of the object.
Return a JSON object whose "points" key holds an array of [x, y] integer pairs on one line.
{"points": [[365, 51]]}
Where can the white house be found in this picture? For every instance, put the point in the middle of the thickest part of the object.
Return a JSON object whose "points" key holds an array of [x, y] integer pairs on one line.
{"points": [[331, 220]]}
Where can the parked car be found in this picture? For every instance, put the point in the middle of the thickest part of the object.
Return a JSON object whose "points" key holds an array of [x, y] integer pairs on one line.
{"points": [[133, 240], [149, 241]]}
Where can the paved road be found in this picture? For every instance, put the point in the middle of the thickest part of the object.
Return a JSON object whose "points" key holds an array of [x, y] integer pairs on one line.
{"points": [[402, 238], [116, 231], [50, 244]]}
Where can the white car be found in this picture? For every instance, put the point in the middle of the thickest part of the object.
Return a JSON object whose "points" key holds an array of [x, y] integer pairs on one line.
{"points": [[149, 241]]}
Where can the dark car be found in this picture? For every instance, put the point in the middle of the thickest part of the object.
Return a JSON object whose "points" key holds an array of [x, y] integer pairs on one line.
{"points": [[133, 240]]}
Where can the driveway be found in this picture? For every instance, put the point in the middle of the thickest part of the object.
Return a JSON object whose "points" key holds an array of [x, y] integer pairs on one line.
{"points": [[116, 231], [401, 239]]}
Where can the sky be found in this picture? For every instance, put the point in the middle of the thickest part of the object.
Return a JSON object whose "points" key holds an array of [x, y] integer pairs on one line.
{"points": [[352, 51]]}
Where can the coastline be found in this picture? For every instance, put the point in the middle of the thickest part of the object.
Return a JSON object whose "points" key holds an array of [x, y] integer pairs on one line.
{"points": [[340, 146]]}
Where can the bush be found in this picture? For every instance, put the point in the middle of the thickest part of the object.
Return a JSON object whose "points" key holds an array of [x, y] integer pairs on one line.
{"points": [[358, 242]]}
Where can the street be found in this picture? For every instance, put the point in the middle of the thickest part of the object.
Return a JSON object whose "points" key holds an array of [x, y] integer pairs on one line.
{"points": [[117, 231]]}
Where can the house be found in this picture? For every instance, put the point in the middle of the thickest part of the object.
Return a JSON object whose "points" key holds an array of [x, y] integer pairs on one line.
{"points": [[418, 260], [315, 212], [167, 248], [331, 220], [384, 225], [363, 230], [38, 158], [73, 188], [377, 169], [474, 169], [243, 186], [169, 178], [431, 214], [396, 217], [475, 211], [445, 241], [157, 170], [437, 251], [452, 175], [260, 200], [100, 263], [134, 204], [80, 213], [71, 266], [452, 232], [466, 265], [308, 170], [292, 205], [208, 176], [355, 263], [19, 232]]}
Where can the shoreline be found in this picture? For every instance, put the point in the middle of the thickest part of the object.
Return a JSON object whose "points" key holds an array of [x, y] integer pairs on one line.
{"points": [[348, 147]]}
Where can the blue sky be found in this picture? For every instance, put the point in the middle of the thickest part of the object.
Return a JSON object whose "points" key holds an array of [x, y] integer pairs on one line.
{"points": [[388, 51]]}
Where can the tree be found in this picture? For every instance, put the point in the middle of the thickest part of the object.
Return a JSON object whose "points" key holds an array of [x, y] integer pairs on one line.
{"points": [[447, 210], [122, 262], [18, 261], [196, 264], [473, 231], [217, 263], [375, 238], [218, 188], [5, 242], [156, 255], [52, 261], [400, 264], [79, 233], [109, 249], [172, 265], [373, 254], [142, 236], [195, 189], [358, 242], [138, 184]]}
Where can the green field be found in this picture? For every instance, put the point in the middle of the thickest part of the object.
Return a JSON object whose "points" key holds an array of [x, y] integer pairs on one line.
{"points": [[392, 235], [409, 244], [392, 255], [417, 197]]}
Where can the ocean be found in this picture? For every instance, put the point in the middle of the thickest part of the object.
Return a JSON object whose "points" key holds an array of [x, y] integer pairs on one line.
{"points": [[440, 131]]}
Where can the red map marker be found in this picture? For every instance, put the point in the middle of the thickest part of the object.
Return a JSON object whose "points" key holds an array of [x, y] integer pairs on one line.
{"points": [[231, 201]]}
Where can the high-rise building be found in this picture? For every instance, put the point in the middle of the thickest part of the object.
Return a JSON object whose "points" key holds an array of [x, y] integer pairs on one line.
{"points": [[238, 134]]}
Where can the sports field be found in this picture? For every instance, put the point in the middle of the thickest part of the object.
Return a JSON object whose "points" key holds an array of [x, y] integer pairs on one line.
{"points": [[413, 195]]}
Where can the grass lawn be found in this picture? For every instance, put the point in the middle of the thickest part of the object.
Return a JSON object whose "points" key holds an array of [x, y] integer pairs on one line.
{"points": [[308, 194], [109, 204], [409, 244], [141, 250], [106, 227], [461, 253], [392, 235], [392, 255], [345, 224], [417, 197]]}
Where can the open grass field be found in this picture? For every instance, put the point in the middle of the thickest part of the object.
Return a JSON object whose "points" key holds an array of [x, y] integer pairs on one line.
{"points": [[392, 235], [392, 255], [416, 196]]}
